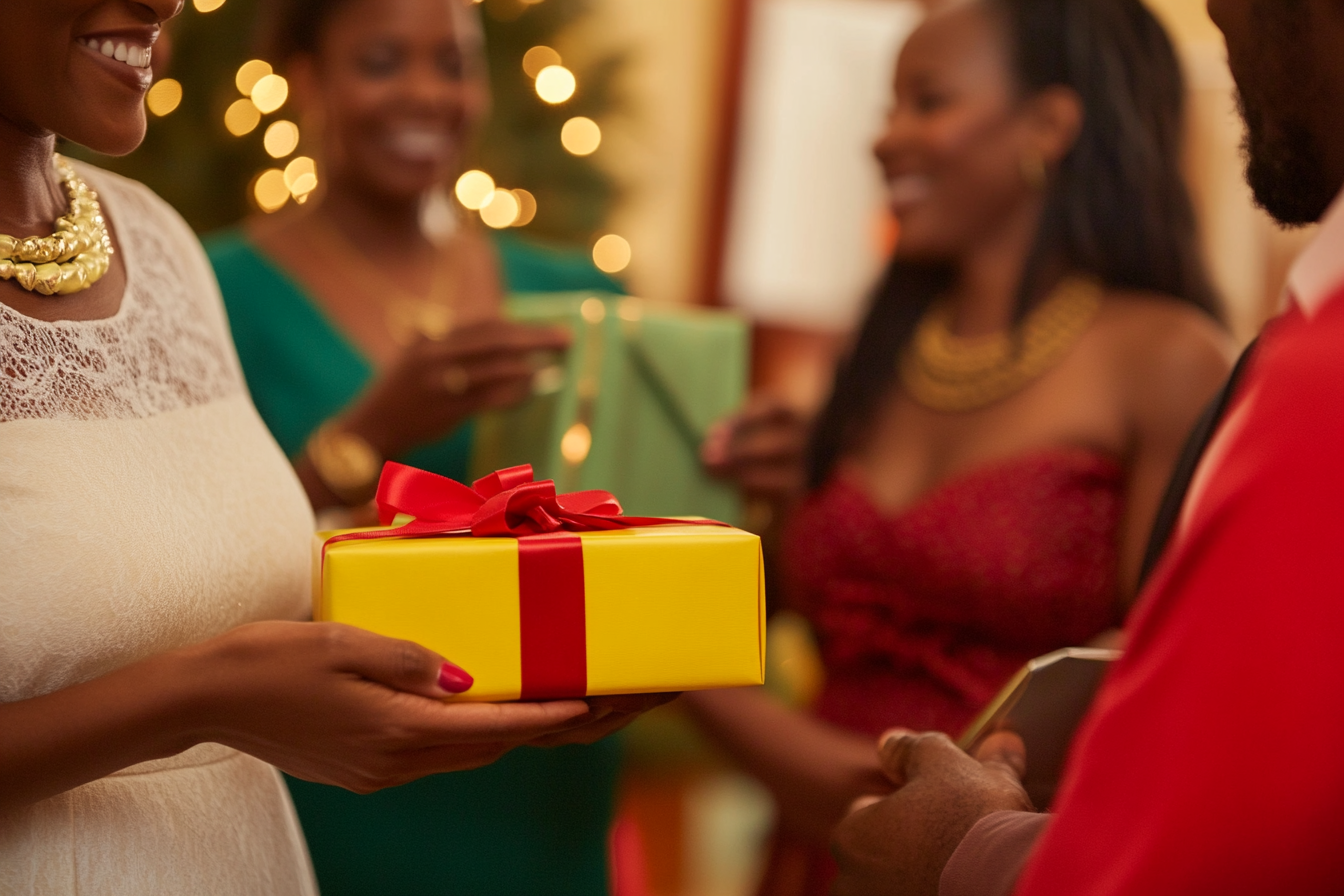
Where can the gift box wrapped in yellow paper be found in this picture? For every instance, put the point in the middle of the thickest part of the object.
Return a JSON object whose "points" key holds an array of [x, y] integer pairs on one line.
{"points": [[544, 596]]}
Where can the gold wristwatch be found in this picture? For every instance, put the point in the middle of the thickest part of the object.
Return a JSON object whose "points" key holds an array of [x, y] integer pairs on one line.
{"points": [[346, 463]]}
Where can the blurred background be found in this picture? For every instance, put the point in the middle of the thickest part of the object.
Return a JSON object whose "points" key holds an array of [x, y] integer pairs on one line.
{"points": [[708, 152]]}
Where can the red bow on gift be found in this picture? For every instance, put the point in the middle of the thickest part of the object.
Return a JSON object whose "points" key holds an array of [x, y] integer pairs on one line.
{"points": [[507, 503]]}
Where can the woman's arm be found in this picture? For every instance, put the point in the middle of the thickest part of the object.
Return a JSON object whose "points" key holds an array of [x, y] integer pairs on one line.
{"points": [[1173, 361], [814, 770], [323, 702]]}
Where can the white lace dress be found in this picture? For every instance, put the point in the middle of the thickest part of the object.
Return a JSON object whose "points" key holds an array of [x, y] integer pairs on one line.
{"points": [[143, 506]]}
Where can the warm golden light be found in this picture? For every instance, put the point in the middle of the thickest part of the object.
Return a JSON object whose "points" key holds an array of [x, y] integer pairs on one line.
{"points": [[581, 136], [474, 189], [501, 210], [249, 73], [576, 443], [537, 58], [281, 139], [298, 168], [612, 254], [207, 5], [241, 118], [555, 84], [164, 97], [270, 190], [270, 93], [527, 208], [593, 310]]}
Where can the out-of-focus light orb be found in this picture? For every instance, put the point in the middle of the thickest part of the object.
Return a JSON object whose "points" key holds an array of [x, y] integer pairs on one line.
{"points": [[298, 168], [612, 254], [594, 311], [555, 84], [207, 5], [281, 139], [249, 73], [270, 93], [581, 136], [474, 189], [501, 210], [241, 118], [527, 208], [537, 58], [270, 190], [164, 97], [576, 443]]}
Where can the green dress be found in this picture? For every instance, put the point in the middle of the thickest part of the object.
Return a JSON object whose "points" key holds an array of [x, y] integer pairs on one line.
{"points": [[533, 824]]}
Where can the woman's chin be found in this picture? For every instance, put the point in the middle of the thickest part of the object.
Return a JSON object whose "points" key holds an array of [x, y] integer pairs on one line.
{"points": [[115, 137]]}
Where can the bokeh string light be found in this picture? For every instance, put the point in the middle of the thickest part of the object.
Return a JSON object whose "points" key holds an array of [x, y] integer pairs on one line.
{"points": [[581, 136], [164, 97], [612, 254], [474, 189], [538, 58], [282, 138], [241, 118], [269, 93], [556, 84], [501, 210]]}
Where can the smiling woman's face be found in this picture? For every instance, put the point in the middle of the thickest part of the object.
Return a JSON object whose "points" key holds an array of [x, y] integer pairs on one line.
{"points": [[399, 86], [956, 140], [58, 75]]}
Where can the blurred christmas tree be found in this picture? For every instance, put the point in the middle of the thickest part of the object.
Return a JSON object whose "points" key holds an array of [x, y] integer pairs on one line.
{"points": [[191, 159]]}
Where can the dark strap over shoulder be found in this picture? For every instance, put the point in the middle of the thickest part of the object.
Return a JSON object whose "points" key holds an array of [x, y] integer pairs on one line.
{"points": [[1174, 498]]}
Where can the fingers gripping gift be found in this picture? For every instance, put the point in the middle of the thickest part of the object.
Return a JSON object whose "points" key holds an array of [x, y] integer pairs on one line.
{"points": [[541, 595]]}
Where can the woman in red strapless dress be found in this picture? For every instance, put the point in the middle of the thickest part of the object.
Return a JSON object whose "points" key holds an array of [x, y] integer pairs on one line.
{"points": [[981, 482]]}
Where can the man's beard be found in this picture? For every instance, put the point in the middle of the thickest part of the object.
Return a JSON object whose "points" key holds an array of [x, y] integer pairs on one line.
{"points": [[1285, 170]]}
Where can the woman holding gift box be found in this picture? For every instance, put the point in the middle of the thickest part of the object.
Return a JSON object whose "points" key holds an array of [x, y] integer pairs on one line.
{"points": [[984, 476], [155, 541], [363, 338]]}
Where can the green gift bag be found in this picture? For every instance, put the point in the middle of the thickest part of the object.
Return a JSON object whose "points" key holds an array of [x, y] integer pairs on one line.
{"points": [[627, 407]]}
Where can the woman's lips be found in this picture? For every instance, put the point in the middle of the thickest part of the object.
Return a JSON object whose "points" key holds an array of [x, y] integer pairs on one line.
{"points": [[907, 190], [418, 145]]}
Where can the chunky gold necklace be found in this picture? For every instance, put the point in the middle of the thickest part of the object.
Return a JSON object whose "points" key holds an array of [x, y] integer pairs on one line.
{"points": [[949, 373], [73, 258]]}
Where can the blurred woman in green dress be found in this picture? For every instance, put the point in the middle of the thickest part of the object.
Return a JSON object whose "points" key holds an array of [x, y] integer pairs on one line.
{"points": [[363, 339]]}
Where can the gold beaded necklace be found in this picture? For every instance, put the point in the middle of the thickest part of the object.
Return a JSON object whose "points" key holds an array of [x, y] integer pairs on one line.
{"points": [[953, 374], [73, 258]]}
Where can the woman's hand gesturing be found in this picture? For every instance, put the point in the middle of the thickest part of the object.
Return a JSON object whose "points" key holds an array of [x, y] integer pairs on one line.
{"points": [[434, 386], [337, 705]]}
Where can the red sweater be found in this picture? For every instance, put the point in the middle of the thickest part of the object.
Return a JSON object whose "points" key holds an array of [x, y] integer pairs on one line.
{"points": [[1213, 760]]}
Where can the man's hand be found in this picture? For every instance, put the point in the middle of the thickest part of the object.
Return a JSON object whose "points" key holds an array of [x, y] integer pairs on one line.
{"points": [[898, 845]]}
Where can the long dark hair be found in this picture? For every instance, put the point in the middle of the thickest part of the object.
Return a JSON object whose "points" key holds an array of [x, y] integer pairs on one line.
{"points": [[1117, 208]]}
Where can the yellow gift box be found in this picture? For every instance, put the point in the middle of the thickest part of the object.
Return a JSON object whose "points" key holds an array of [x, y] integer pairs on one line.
{"points": [[661, 608]]}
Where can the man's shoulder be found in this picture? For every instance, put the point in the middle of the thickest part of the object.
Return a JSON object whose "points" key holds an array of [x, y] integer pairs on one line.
{"points": [[1301, 361]]}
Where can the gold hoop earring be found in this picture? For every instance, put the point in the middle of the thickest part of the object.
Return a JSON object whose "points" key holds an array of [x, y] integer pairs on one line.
{"points": [[1033, 170]]}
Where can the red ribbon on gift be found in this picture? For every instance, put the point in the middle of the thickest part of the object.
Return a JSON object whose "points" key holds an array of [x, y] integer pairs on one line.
{"points": [[511, 504]]}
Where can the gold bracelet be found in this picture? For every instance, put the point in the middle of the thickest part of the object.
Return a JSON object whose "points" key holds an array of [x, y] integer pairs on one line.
{"points": [[346, 463]]}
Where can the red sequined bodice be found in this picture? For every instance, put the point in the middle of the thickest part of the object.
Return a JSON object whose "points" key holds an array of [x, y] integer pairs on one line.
{"points": [[923, 616]]}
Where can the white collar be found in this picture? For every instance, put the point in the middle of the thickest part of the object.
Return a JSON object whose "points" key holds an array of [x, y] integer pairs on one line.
{"points": [[1318, 272]]}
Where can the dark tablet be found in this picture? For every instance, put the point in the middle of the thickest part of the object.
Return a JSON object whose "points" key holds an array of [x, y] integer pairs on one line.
{"points": [[1044, 704]]}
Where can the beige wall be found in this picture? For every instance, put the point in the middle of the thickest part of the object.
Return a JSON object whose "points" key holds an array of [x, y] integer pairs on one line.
{"points": [[659, 148]]}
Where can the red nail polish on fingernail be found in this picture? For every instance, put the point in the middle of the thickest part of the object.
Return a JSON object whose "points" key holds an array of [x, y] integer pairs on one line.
{"points": [[455, 679]]}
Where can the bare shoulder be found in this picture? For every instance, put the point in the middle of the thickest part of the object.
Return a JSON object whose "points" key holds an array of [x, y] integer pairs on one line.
{"points": [[1160, 336], [1170, 357]]}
